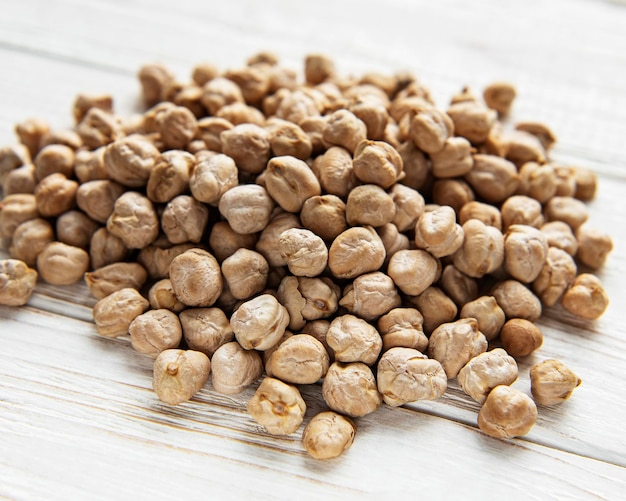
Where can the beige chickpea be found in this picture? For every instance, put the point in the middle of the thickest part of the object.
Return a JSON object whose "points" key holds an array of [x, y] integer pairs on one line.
{"points": [[52, 159], [472, 120], [247, 208], [494, 179], [55, 194], [453, 192], [438, 233], [245, 273], [161, 296], [234, 368], [393, 240], [105, 248], [516, 300], [89, 165], [537, 181], [240, 113], [507, 413], [409, 206], [356, 251], [436, 308], [371, 295], [416, 166], [565, 180], [29, 240], [12, 157], [75, 228], [196, 277], [521, 147], [287, 138], [430, 128], [499, 96], [259, 323], [14, 210], [377, 162], [567, 209], [305, 253], [324, 215], [486, 213], [296, 106], [373, 112], [594, 246], [30, 132], [113, 277], [520, 209], [313, 127], [84, 102], [561, 236], [525, 252], [557, 274], [179, 375], [99, 128], [540, 130], [405, 375], [154, 79], [586, 184], [212, 177], [307, 299], [413, 271], [224, 241], [354, 340], [300, 359], [482, 251], [486, 371], [19, 180], [335, 171], [114, 313], [488, 314], [268, 243], [369, 204], [520, 337], [328, 435], [218, 92], [277, 406], [177, 126], [62, 264], [134, 220], [68, 137], [351, 389], [97, 198], [248, 145], [210, 130], [206, 329], [344, 129], [460, 287], [454, 344], [552, 382], [155, 331], [402, 327], [317, 68], [130, 160], [453, 160], [17, 282], [318, 329], [184, 219], [290, 181], [170, 176], [253, 82], [586, 298]]}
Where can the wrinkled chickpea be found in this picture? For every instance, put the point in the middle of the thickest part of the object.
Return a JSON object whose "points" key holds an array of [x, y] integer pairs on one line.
{"points": [[352, 339], [55, 194], [555, 277], [430, 128], [134, 220], [30, 132], [234, 368], [14, 210], [335, 171], [521, 147], [113, 277], [413, 271], [567, 209], [62, 264], [307, 299], [161, 296], [287, 138], [155, 331], [105, 248], [75, 228], [89, 165], [541, 131], [482, 249], [561, 236], [537, 181], [586, 298], [516, 300], [268, 242], [565, 180], [17, 282], [356, 251], [507, 413], [130, 160], [472, 120], [29, 240], [494, 179], [324, 215], [453, 192], [377, 162], [438, 232], [184, 219], [196, 277], [520, 337], [525, 252], [179, 375], [20, 180], [170, 176], [277, 406], [300, 359], [218, 92], [247, 208], [594, 246], [114, 313], [98, 128], [402, 327], [436, 308], [369, 204], [520, 209], [393, 240], [454, 344], [486, 371], [328, 435], [458, 286], [154, 79], [224, 241], [453, 160], [552, 382], [259, 323], [499, 96], [97, 198], [248, 145], [290, 181], [245, 273], [488, 314], [485, 213], [351, 389], [305, 253], [371, 295], [54, 158], [586, 184]]}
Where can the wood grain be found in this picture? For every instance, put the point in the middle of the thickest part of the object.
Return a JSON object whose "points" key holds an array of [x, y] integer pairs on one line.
{"points": [[78, 419]]}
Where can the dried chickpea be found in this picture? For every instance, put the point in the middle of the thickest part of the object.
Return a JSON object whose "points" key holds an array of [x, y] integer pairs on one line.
{"points": [[324, 215], [161, 295], [561, 236], [12, 157], [268, 242], [177, 126], [134, 220], [235, 368], [277, 406], [29, 240], [248, 145], [377, 162], [557, 274], [305, 253], [454, 344], [552, 382], [406, 375], [290, 181], [537, 181], [436, 308], [75, 228], [335, 171], [458, 286], [472, 120], [62, 264], [307, 299], [453, 192], [516, 300], [224, 241], [507, 413], [352, 339], [155, 331], [369, 204], [184, 219], [486, 371], [196, 277], [52, 159], [356, 251], [114, 313], [499, 96], [351, 389], [453, 160], [586, 184], [17, 282], [521, 147], [113, 277], [19, 180], [247, 208], [494, 179], [287, 138], [586, 298], [14, 210], [373, 112], [402, 327], [413, 271], [482, 251], [567, 209], [370, 295], [328, 435], [84, 102], [240, 113], [541, 131], [525, 252], [30, 132], [438, 232], [55, 194], [488, 314], [245, 273], [430, 128], [97, 198], [170, 176], [179, 375], [300, 359], [105, 248], [520, 337], [594, 246], [218, 92], [317, 68], [253, 82], [565, 180], [212, 177], [297, 106], [210, 130], [259, 323], [68, 137], [486, 213], [205, 329], [154, 79], [416, 166], [130, 160], [520, 209], [89, 165], [393, 240], [98, 128]]}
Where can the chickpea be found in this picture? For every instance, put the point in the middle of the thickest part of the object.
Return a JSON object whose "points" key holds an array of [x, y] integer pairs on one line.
{"points": [[409, 206], [75, 228], [488, 314], [499, 96], [234, 368], [344, 129], [29, 240], [541, 131], [486, 371], [413, 271], [161, 296], [307, 299], [525, 252], [586, 184], [300, 359], [97, 198], [371, 295], [259, 323], [169, 177], [296, 106], [552, 382], [55, 194], [154, 80], [30, 133], [522, 147], [129, 161], [482, 250], [134, 220], [196, 277], [89, 165], [84, 102], [435, 306], [416, 166], [290, 182], [114, 313], [115, 276], [324, 215], [537, 181], [179, 375], [586, 298], [248, 145], [494, 179], [567, 209], [369, 204], [354, 340], [430, 128], [19, 180], [184, 219], [472, 120], [335, 172], [62, 264], [155, 331], [105, 248], [351, 389], [516, 300], [287, 138], [485, 213], [17, 282], [356, 251], [377, 162], [305, 253], [565, 181], [15, 210], [240, 113], [393, 240], [561, 236], [507, 413], [454, 344], [247, 208], [328, 435], [52, 159], [402, 327], [438, 233], [453, 160], [245, 273], [277, 406], [520, 209], [594, 246], [557, 274]]}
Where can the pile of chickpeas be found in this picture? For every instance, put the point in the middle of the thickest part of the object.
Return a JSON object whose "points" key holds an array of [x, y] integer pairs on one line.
{"points": [[336, 229]]}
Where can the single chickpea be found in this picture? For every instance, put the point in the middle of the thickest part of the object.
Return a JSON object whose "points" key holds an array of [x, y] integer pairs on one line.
{"points": [[520, 209], [335, 171], [557, 274], [29, 240], [482, 251], [17, 282], [54, 158], [416, 166], [97, 198], [537, 181], [438, 233], [369, 204], [134, 220], [324, 215], [494, 179], [525, 252], [62, 264], [318, 68], [516, 300], [486, 371], [240, 113], [68, 137], [196, 277], [30, 132], [499, 96], [155, 331], [287, 138], [552, 382], [75, 228], [89, 165], [12, 157], [55, 194], [351, 389], [170, 176], [179, 375], [520, 337], [296, 106], [19, 180], [356, 251], [218, 92], [224, 241], [15, 210], [354, 340], [406, 375], [586, 184], [99, 128], [565, 180], [454, 344], [114, 313], [305, 253], [113, 277], [485, 213], [472, 120], [594, 246], [130, 160], [371, 295], [245, 273], [105, 248], [409, 206], [184, 219], [413, 271], [154, 79], [586, 298], [300, 359], [436, 308], [541, 131], [205, 329], [373, 113], [521, 147], [253, 82], [460, 287], [507, 413], [402, 327], [561, 236], [430, 128], [161, 296], [453, 192], [377, 162], [488, 314], [328, 435], [247, 208], [290, 182], [84, 102], [277, 406], [393, 240], [453, 160], [177, 126], [210, 130], [259, 323], [567, 209], [235, 368], [268, 243], [201, 73], [248, 145]]}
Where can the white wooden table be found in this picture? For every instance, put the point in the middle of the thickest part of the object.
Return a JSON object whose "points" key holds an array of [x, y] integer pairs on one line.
{"points": [[78, 419]]}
